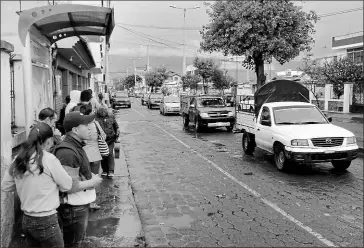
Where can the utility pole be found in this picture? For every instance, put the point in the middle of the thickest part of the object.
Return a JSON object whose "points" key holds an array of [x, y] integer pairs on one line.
{"points": [[148, 57], [237, 69], [184, 32]]}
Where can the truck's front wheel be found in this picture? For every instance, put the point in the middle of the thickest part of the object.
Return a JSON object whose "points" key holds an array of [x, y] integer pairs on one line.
{"points": [[280, 158], [341, 165], [186, 121], [248, 145]]}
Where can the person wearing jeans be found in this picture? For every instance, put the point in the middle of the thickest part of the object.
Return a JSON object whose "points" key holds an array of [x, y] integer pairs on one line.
{"points": [[74, 211], [108, 123], [37, 176]]}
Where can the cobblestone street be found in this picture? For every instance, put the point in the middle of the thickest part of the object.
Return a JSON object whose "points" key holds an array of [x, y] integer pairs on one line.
{"points": [[202, 191]]}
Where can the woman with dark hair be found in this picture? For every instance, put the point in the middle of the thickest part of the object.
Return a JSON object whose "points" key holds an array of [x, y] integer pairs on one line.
{"points": [[38, 176]]}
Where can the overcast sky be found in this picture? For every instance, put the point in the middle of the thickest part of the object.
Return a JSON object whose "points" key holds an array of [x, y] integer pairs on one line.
{"points": [[159, 14]]}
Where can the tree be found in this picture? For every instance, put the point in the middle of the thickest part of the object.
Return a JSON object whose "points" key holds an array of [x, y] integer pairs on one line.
{"points": [[260, 30], [341, 70], [156, 77], [205, 68], [190, 81], [129, 81], [314, 71], [221, 80]]}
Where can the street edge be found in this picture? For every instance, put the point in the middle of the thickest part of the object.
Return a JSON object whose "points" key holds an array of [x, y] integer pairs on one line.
{"points": [[139, 240]]}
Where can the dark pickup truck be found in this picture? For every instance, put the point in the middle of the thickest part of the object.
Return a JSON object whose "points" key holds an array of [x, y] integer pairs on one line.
{"points": [[206, 111]]}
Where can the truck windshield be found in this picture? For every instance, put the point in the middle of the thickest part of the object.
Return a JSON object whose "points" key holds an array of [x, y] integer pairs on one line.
{"points": [[211, 102], [298, 115]]}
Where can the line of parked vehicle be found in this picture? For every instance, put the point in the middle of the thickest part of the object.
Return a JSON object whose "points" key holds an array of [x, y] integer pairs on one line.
{"points": [[278, 119]]}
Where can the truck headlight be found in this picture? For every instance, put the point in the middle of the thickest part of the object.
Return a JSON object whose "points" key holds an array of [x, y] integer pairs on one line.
{"points": [[230, 114], [299, 142], [351, 140], [204, 115]]}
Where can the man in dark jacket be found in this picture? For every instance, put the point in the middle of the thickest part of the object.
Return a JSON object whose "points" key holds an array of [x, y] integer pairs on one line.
{"points": [[62, 113], [75, 212], [108, 123]]}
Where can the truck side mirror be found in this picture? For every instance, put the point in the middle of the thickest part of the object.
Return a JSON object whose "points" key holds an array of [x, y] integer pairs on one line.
{"points": [[329, 119]]}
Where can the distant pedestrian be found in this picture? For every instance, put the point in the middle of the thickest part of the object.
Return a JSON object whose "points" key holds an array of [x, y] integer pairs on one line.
{"points": [[95, 105], [49, 116], [101, 100], [37, 176], [75, 212], [111, 128], [75, 99], [62, 113]]}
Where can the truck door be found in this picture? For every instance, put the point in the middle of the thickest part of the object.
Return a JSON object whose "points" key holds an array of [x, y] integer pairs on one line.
{"points": [[192, 110], [263, 132]]}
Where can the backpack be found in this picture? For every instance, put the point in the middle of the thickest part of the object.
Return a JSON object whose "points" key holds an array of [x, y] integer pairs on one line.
{"points": [[107, 124]]}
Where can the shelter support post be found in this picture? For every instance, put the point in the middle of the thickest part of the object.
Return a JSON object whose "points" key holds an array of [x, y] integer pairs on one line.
{"points": [[27, 81]]}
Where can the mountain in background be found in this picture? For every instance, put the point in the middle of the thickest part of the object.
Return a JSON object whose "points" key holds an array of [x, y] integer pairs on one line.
{"points": [[118, 66]]}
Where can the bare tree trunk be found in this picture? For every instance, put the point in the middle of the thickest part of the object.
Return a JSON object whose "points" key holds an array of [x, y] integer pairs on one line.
{"points": [[259, 70]]}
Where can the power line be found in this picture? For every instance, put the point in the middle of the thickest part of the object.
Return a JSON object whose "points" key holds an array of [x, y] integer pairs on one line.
{"points": [[339, 13], [157, 27]]}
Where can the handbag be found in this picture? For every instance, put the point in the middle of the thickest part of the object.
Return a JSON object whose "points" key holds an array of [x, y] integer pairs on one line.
{"points": [[103, 147]]}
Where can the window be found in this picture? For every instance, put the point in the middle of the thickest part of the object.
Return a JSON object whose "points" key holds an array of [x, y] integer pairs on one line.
{"points": [[265, 115], [356, 54]]}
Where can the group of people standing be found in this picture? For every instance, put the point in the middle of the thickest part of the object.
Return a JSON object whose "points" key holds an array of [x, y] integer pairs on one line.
{"points": [[58, 168]]}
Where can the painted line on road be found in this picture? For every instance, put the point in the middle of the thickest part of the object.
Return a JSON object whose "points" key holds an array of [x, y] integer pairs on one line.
{"points": [[256, 194], [136, 111]]}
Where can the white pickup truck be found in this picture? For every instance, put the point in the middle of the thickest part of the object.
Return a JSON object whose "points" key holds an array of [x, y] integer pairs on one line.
{"points": [[295, 131]]}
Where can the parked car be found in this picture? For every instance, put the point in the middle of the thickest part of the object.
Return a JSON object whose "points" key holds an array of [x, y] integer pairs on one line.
{"points": [[144, 99], [286, 125], [154, 100], [169, 105], [131, 94], [206, 111], [121, 99]]}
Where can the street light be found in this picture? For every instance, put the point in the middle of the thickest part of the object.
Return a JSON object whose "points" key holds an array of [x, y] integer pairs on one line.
{"points": [[184, 24]]}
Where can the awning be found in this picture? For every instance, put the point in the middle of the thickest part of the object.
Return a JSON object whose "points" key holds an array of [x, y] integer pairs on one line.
{"points": [[79, 55], [61, 21]]}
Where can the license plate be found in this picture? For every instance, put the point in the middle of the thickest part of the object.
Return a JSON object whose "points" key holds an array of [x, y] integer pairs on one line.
{"points": [[329, 151], [219, 124]]}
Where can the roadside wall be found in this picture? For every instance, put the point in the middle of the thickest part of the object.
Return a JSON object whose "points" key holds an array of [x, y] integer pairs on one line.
{"points": [[7, 199]]}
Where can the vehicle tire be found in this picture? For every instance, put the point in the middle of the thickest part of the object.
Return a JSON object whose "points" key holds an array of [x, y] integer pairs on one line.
{"points": [[229, 129], [129, 106], [280, 158], [341, 165], [186, 121], [248, 144]]}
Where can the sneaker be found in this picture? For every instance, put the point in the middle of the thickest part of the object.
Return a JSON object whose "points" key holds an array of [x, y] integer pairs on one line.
{"points": [[93, 205], [110, 175], [104, 174]]}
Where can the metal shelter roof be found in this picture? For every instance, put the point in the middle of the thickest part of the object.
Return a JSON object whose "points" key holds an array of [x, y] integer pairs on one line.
{"points": [[61, 21]]}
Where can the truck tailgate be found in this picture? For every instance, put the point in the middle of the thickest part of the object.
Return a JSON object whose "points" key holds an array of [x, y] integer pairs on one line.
{"points": [[245, 120]]}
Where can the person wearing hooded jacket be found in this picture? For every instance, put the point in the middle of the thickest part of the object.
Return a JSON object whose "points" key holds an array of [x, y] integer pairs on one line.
{"points": [[108, 123], [75, 99]]}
